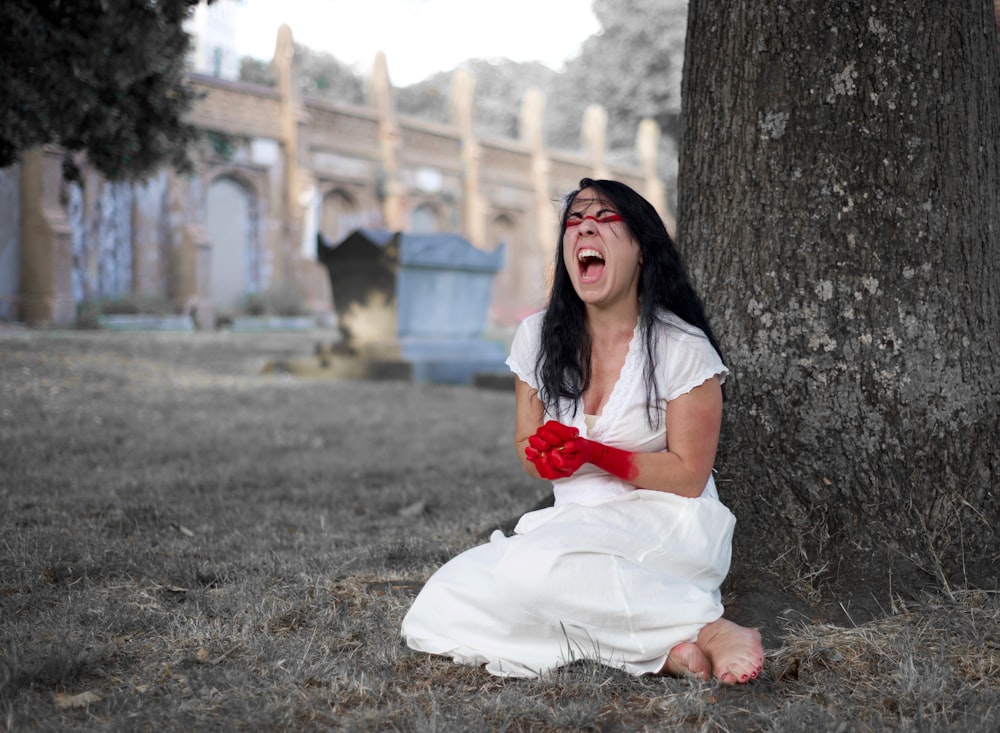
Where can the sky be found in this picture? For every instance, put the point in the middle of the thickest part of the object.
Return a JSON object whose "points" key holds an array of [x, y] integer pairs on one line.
{"points": [[420, 37]]}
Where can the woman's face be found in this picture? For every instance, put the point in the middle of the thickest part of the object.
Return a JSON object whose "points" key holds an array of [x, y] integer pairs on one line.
{"points": [[602, 257]]}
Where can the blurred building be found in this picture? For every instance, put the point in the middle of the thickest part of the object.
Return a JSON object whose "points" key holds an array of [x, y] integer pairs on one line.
{"points": [[213, 39], [276, 174]]}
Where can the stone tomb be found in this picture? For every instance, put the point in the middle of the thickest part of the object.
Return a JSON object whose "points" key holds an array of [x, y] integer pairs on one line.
{"points": [[412, 306]]}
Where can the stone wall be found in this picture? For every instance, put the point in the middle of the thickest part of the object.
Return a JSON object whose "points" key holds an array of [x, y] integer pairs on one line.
{"points": [[274, 172]]}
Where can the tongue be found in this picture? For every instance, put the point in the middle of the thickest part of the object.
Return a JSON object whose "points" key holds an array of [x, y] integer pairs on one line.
{"points": [[591, 269]]}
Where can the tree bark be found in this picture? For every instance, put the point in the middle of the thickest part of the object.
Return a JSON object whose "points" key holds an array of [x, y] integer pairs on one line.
{"points": [[839, 209]]}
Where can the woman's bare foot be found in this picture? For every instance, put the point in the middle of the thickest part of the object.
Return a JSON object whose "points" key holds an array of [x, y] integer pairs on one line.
{"points": [[734, 652], [687, 660]]}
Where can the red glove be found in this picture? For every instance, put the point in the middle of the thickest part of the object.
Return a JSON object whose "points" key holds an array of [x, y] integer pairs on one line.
{"points": [[547, 440], [558, 451]]}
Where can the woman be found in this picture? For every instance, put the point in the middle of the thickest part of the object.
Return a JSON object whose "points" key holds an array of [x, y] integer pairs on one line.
{"points": [[619, 403]]}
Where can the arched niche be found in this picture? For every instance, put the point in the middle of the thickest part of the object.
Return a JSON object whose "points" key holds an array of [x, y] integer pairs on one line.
{"points": [[234, 261], [339, 215]]}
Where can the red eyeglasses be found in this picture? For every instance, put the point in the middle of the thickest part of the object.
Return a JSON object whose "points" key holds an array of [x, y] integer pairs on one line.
{"points": [[606, 219]]}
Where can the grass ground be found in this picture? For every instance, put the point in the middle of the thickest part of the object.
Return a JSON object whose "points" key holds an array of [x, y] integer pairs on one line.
{"points": [[188, 544]]}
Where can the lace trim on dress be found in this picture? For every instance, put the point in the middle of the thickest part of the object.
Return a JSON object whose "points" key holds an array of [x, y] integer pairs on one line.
{"points": [[630, 373]]}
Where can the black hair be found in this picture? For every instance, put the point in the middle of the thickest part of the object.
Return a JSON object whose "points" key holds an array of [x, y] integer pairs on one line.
{"points": [[563, 366]]}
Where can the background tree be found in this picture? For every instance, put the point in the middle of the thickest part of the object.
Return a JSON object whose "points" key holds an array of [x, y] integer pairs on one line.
{"points": [[321, 75], [257, 71], [632, 67], [500, 88], [106, 78], [838, 203]]}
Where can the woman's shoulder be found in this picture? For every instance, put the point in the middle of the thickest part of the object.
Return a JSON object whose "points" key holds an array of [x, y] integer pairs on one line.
{"points": [[674, 327], [685, 356], [678, 339], [525, 346], [530, 326], [534, 320]]}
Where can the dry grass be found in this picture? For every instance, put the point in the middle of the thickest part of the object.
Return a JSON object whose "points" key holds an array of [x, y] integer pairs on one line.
{"points": [[188, 545]]}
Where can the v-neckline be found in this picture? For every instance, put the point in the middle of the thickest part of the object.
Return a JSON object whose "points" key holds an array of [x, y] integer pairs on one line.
{"points": [[626, 376]]}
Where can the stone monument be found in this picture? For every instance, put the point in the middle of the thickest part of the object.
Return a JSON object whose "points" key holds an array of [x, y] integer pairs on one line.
{"points": [[410, 306]]}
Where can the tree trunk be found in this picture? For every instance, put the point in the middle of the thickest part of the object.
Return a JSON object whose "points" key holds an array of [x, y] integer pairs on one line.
{"points": [[839, 206]]}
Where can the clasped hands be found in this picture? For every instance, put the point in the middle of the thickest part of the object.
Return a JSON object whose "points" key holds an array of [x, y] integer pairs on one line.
{"points": [[558, 451]]}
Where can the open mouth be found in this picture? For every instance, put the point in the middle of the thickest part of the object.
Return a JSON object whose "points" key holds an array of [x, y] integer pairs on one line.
{"points": [[591, 264]]}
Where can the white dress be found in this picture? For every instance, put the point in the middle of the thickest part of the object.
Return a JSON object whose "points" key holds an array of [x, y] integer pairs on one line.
{"points": [[610, 573]]}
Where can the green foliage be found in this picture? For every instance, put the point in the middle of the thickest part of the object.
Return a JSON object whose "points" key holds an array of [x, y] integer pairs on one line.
{"points": [[255, 71], [323, 76], [427, 99], [320, 75], [500, 90], [106, 78]]}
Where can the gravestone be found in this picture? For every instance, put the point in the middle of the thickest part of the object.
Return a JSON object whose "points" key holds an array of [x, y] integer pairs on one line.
{"points": [[418, 300], [364, 270]]}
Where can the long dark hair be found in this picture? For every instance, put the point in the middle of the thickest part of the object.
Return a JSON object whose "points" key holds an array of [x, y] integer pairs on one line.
{"points": [[563, 366]]}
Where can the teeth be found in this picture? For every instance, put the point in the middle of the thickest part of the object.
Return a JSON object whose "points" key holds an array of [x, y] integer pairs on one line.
{"points": [[585, 253]]}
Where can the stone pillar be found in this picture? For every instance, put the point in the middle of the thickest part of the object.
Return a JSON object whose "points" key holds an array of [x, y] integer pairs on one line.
{"points": [[311, 277], [297, 259], [292, 112], [546, 219], [647, 148], [390, 188], [188, 254], [46, 272], [473, 212], [593, 133]]}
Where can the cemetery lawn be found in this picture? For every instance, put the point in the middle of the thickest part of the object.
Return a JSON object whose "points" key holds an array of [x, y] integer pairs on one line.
{"points": [[189, 544]]}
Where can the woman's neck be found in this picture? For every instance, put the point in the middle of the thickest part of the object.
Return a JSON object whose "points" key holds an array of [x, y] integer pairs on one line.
{"points": [[612, 323]]}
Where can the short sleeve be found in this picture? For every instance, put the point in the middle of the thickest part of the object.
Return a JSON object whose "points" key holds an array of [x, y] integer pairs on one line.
{"points": [[687, 360], [524, 349]]}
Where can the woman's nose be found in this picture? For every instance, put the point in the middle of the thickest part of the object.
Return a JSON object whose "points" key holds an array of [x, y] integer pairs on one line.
{"points": [[588, 225]]}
